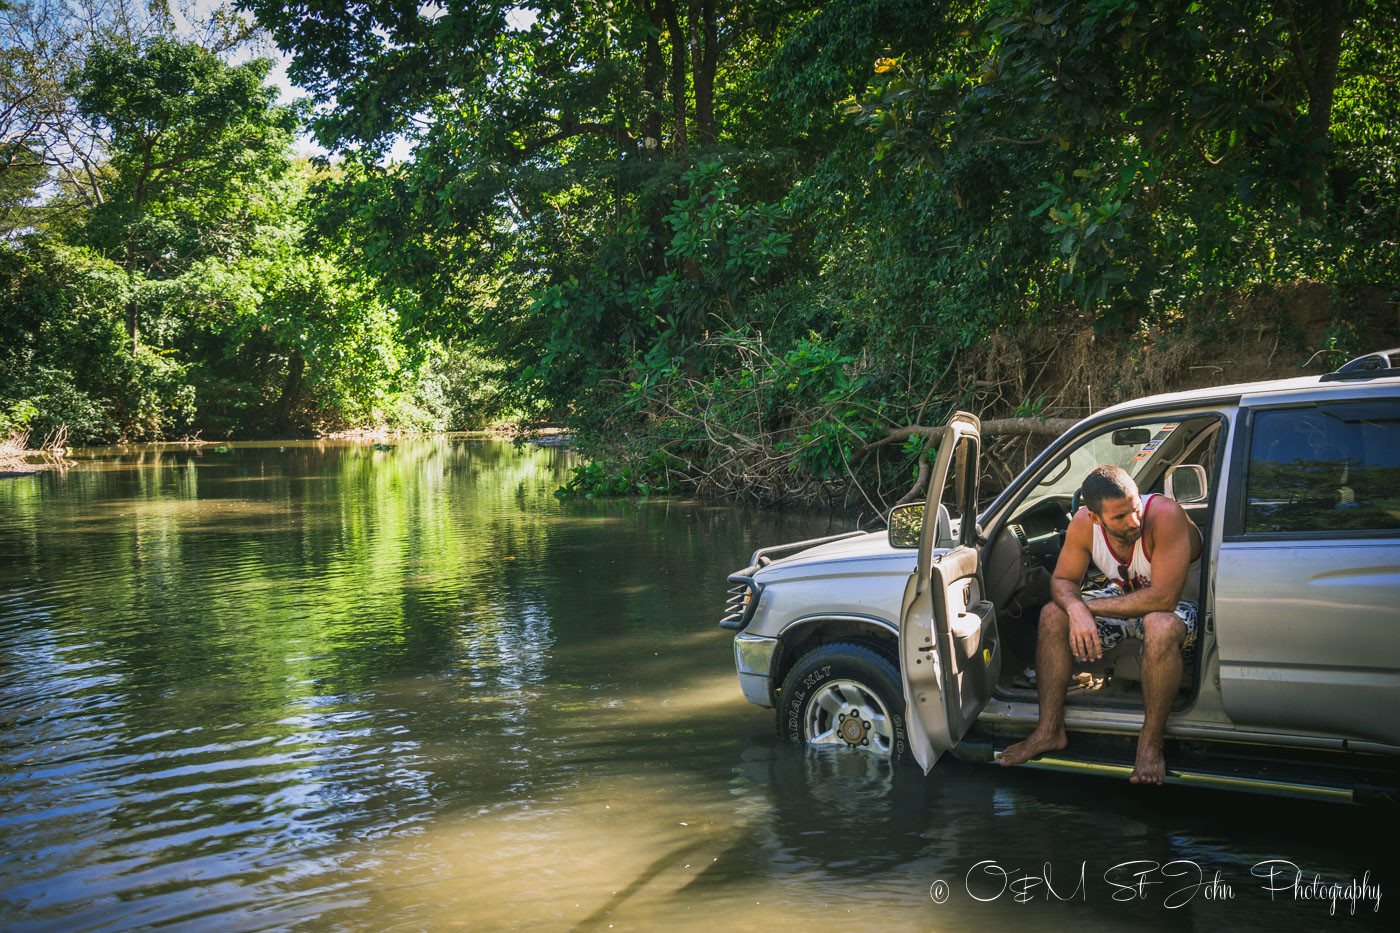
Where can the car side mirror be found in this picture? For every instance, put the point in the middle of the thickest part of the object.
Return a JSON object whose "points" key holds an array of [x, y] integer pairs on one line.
{"points": [[906, 524], [1186, 483]]}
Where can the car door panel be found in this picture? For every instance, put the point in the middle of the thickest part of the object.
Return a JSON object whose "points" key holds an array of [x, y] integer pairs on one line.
{"points": [[949, 646], [970, 633]]}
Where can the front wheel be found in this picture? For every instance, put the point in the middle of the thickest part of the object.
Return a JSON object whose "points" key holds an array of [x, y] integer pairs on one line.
{"points": [[844, 695]]}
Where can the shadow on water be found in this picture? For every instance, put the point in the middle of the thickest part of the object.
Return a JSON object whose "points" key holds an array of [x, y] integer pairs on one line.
{"points": [[314, 684]]}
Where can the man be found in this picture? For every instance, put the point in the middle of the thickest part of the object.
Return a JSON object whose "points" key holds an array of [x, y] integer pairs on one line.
{"points": [[1150, 552]]}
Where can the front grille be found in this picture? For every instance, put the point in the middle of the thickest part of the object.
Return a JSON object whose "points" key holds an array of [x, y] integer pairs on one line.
{"points": [[739, 605]]}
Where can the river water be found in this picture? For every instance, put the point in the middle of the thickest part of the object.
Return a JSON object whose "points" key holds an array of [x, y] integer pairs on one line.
{"points": [[316, 685]]}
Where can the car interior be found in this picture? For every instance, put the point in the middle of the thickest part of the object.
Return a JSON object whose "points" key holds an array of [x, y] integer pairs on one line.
{"points": [[1177, 458]]}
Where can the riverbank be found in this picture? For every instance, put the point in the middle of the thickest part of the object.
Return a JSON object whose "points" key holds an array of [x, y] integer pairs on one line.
{"points": [[18, 459], [856, 431]]}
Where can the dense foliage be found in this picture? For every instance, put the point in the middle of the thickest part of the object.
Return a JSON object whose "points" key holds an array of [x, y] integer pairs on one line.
{"points": [[168, 283], [737, 246]]}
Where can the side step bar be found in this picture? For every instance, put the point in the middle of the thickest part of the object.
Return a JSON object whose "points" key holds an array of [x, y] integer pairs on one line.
{"points": [[1309, 774], [1198, 779]]}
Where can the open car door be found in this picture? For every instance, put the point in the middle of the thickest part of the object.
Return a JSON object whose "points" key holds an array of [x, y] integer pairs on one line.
{"points": [[949, 650]]}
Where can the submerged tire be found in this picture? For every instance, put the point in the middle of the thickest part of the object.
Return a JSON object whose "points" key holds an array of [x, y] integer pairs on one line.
{"points": [[844, 695]]}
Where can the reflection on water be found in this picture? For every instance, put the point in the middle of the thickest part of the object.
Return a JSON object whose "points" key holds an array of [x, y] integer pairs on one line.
{"points": [[315, 684]]}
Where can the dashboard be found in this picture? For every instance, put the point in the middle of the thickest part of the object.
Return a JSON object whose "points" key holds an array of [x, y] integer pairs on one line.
{"points": [[1022, 558], [1048, 517]]}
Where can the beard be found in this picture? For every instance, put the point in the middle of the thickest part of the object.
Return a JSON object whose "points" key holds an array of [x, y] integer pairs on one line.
{"points": [[1127, 537]]}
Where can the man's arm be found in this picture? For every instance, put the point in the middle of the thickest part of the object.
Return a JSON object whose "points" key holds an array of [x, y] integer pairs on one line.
{"points": [[1064, 586], [1171, 555]]}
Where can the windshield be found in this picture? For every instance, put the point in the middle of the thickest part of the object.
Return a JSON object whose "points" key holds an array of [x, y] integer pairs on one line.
{"points": [[1136, 448]]}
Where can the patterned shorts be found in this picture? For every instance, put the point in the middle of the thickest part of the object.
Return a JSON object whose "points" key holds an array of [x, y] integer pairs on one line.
{"points": [[1112, 631]]}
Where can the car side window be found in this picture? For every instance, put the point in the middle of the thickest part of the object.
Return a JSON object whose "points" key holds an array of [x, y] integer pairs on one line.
{"points": [[1325, 468]]}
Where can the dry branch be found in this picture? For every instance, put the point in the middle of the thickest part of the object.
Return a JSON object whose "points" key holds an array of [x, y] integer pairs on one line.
{"points": [[17, 457], [996, 427], [1027, 427], [1024, 427]]}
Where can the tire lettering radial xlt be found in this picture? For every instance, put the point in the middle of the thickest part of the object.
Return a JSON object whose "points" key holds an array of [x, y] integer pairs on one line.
{"points": [[846, 695]]}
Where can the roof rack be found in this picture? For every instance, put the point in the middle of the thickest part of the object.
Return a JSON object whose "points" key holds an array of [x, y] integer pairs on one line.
{"points": [[1379, 363]]}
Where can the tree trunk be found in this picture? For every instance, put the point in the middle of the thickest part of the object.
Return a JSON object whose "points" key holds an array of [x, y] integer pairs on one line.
{"points": [[133, 310], [1028, 427], [678, 69], [1022, 427], [133, 324], [291, 389], [1317, 62], [653, 77], [704, 54]]}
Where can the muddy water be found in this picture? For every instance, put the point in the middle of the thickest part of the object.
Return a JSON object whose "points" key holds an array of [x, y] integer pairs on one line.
{"points": [[316, 685]]}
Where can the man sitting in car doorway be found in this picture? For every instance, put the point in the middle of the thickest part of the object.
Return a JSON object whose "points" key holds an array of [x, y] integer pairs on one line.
{"points": [[1150, 553]]}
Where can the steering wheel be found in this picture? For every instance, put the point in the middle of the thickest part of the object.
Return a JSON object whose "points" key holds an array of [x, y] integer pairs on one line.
{"points": [[1074, 503]]}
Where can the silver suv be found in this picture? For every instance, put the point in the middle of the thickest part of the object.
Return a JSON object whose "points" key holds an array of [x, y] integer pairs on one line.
{"points": [[918, 640]]}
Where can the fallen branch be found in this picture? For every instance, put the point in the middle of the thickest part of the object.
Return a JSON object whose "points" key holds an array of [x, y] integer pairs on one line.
{"points": [[1028, 427], [1024, 427], [1005, 427]]}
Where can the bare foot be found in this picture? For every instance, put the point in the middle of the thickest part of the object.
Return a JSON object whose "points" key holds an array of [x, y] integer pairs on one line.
{"points": [[1037, 743], [1151, 767]]}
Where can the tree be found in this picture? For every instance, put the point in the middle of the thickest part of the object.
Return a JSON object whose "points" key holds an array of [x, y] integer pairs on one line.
{"points": [[196, 149], [1135, 120], [546, 152], [61, 352], [288, 335], [42, 44], [179, 227], [22, 175]]}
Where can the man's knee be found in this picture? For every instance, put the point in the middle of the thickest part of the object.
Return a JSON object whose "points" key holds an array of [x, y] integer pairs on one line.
{"points": [[1053, 620], [1162, 632]]}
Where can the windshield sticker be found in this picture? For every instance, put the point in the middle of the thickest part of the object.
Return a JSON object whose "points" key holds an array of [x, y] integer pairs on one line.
{"points": [[1164, 431], [1147, 450]]}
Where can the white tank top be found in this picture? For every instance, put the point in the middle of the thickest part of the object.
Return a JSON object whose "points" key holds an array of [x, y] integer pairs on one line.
{"points": [[1138, 565]]}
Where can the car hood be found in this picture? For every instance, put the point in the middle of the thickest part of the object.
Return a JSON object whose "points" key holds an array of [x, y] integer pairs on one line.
{"points": [[870, 553]]}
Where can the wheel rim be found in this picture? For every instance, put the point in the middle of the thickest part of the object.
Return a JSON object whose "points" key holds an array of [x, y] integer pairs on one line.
{"points": [[848, 714]]}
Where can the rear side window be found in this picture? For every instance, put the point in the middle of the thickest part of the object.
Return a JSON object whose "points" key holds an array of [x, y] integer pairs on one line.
{"points": [[1325, 468]]}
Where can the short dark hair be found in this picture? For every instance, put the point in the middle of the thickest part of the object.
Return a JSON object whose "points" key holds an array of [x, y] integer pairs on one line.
{"points": [[1105, 482]]}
